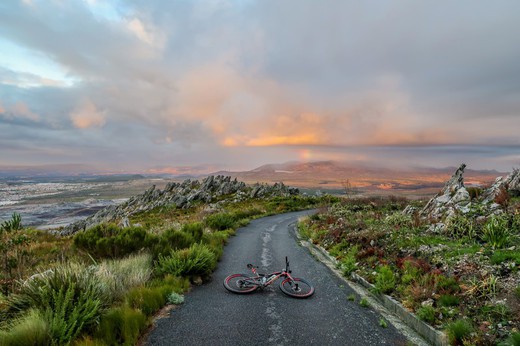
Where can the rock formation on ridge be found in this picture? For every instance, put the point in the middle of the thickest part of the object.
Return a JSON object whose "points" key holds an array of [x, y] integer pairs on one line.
{"points": [[454, 197], [182, 195]]}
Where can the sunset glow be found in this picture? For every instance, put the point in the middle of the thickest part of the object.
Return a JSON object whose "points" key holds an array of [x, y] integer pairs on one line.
{"points": [[305, 155], [139, 86]]}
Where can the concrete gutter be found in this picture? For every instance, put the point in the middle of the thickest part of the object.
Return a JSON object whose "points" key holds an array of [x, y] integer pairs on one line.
{"points": [[418, 332]]}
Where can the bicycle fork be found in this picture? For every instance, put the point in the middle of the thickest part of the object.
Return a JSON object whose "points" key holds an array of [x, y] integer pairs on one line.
{"points": [[294, 285]]}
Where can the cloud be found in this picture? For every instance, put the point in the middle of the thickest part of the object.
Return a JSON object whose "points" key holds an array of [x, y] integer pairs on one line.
{"points": [[148, 34], [86, 115], [19, 112], [26, 80], [207, 81]]}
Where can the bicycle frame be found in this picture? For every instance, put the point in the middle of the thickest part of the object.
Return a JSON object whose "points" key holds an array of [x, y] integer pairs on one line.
{"points": [[272, 277]]}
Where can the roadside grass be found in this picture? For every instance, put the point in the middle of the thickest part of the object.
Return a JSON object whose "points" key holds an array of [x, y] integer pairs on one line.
{"points": [[440, 274], [102, 286]]}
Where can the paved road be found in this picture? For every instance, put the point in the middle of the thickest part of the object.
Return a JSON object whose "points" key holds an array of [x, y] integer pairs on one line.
{"points": [[213, 316]]}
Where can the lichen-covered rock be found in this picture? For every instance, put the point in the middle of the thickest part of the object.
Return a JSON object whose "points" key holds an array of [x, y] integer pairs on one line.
{"points": [[510, 184], [490, 194], [453, 198], [181, 195]]}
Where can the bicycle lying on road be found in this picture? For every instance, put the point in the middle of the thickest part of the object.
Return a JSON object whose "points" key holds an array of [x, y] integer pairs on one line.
{"points": [[294, 287]]}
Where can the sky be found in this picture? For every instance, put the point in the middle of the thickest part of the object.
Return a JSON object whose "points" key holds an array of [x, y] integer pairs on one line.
{"points": [[194, 86]]}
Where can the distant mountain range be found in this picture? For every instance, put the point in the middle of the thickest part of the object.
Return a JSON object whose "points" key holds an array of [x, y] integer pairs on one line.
{"points": [[316, 175], [339, 175]]}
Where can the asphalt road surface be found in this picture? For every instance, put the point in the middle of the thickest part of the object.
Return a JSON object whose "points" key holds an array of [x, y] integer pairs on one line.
{"points": [[213, 316]]}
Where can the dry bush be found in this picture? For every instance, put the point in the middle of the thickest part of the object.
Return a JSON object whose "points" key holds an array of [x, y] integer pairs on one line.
{"points": [[502, 198]]}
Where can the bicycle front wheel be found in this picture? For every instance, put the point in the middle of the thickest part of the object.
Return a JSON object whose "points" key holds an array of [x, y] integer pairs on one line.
{"points": [[240, 283], [297, 288]]}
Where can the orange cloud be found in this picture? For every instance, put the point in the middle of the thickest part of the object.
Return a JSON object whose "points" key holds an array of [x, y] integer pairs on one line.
{"points": [[87, 115], [303, 139], [250, 110]]}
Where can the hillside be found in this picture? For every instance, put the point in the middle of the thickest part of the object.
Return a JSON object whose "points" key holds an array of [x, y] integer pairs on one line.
{"points": [[364, 179]]}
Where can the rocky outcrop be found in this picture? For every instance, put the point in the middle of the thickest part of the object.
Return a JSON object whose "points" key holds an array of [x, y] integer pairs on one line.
{"points": [[511, 184], [181, 195], [452, 198]]}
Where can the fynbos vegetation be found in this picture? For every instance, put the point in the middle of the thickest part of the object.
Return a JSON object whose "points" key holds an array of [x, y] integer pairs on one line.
{"points": [[102, 285], [453, 262]]}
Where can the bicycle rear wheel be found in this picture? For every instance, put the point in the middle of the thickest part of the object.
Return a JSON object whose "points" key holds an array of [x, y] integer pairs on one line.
{"points": [[297, 287], [240, 283]]}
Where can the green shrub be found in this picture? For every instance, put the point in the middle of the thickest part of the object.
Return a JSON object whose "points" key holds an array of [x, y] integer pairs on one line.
{"points": [[89, 341], [446, 284], [461, 226], [364, 302], [385, 280], [426, 313], [496, 232], [14, 224], [349, 261], [31, 329], [498, 312], [513, 340], [517, 292], [339, 249], [195, 229], [13, 245], [305, 229], [399, 220], [500, 256], [247, 213], [121, 326], [292, 203], [448, 300], [173, 283], [176, 239], [111, 241], [146, 299], [199, 259], [221, 221], [175, 298], [216, 241], [69, 298], [458, 331], [410, 272], [119, 275]]}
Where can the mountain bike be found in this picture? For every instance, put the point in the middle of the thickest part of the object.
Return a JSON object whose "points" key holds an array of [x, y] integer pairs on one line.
{"points": [[244, 283]]}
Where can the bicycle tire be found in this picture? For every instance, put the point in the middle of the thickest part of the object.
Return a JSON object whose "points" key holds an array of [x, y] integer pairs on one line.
{"points": [[235, 283], [302, 288]]}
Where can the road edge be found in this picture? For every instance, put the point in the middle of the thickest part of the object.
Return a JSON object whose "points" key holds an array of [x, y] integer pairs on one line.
{"points": [[415, 330]]}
